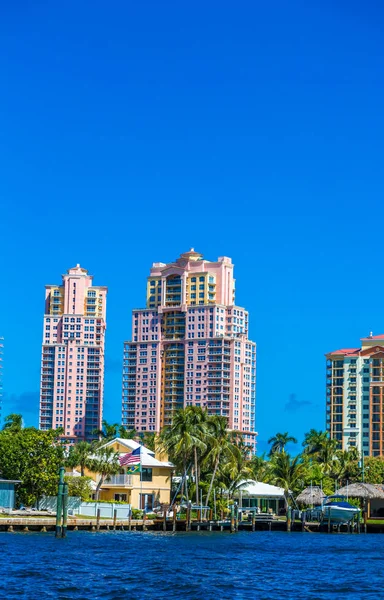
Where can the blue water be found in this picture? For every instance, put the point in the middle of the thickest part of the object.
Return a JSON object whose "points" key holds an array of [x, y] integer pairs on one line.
{"points": [[208, 566]]}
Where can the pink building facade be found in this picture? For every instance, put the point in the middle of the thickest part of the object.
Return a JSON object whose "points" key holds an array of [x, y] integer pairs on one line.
{"points": [[190, 346], [72, 362]]}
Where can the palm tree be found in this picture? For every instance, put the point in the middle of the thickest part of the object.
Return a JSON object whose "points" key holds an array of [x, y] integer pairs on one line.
{"points": [[313, 441], [79, 456], [105, 462], [279, 441], [126, 434], [287, 472], [234, 473], [183, 440], [259, 467], [219, 446], [148, 439], [13, 422], [197, 418], [326, 455], [346, 465], [108, 430]]}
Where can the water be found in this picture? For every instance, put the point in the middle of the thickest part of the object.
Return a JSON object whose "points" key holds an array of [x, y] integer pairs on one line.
{"points": [[208, 566]]}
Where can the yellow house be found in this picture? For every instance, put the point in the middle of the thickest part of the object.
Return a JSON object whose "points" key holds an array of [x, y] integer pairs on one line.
{"points": [[146, 492]]}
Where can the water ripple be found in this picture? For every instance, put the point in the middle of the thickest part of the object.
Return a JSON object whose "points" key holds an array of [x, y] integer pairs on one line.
{"points": [[209, 566]]}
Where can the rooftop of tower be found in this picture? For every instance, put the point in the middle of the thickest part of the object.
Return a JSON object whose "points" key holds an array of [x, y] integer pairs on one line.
{"points": [[78, 270], [191, 255]]}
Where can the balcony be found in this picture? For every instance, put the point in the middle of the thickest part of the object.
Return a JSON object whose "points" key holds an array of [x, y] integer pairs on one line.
{"points": [[119, 480]]}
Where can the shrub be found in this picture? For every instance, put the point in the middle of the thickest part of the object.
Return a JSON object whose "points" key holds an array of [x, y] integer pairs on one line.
{"points": [[79, 486]]}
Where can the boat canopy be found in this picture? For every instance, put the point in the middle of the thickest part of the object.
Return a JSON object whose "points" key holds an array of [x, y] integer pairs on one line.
{"points": [[340, 504]]}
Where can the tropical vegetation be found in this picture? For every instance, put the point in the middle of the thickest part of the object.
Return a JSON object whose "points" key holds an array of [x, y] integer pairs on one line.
{"points": [[212, 464], [211, 461], [32, 457]]}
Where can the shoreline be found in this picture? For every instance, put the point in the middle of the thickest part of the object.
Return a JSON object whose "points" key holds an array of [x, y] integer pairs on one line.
{"points": [[48, 524]]}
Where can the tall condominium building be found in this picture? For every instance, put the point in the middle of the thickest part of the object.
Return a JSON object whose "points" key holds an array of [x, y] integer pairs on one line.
{"points": [[190, 346], [72, 362], [355, 396]]}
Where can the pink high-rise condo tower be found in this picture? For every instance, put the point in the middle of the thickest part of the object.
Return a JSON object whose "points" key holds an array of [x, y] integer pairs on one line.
{"points": [[72, 363], [190, 346]]}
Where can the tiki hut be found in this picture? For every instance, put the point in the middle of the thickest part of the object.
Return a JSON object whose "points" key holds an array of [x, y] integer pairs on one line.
{"points": [[372, 495], [311, 496], [367, 491]]}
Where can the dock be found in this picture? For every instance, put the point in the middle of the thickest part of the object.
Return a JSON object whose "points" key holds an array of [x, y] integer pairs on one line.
{"points": [[173, 522], [260, 523]]}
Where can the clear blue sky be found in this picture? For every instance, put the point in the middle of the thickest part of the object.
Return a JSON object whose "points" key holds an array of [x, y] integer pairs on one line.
{"points": [[131, 131]]}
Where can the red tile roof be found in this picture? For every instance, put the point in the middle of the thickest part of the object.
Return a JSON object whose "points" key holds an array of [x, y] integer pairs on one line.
{"points": [[346, 351], [374, 337]]}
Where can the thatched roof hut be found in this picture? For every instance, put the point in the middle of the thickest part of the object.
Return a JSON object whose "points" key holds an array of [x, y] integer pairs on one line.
{"points": [[313, 495], [361, 490]]}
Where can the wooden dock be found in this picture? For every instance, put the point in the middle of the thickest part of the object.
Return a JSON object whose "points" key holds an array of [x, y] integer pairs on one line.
{"points": [[170, 524], [74, 524]]}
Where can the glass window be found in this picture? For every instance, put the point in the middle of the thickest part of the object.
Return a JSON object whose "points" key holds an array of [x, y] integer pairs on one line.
{"points": [[146, 474]]}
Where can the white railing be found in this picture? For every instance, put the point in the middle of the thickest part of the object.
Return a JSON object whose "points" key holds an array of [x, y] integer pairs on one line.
{"points": [[124, 480]]}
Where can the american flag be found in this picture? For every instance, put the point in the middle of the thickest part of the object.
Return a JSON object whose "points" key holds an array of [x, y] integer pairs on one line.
{"points": [[132, 458]]}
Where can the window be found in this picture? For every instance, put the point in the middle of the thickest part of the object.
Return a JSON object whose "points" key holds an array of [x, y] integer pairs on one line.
{"points": [[120, 497], [146, 474]]}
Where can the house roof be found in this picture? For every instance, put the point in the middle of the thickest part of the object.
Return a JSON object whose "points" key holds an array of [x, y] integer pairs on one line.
{"points": [[148, 456], [150, 461], [129, 444], [10, 481], [257, 489], [374, 337]]}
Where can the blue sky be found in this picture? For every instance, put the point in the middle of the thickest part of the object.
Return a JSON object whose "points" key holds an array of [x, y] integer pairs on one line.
{"points": [[130, 132]]}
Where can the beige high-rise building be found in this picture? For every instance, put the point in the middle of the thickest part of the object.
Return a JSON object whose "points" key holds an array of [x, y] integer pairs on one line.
{"points": [[355, 396], [72, 363]]}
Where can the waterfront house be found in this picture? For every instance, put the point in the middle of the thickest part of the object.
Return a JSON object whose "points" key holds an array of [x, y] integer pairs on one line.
{"points": [[147, 492], [261, 497], [7, 493]]}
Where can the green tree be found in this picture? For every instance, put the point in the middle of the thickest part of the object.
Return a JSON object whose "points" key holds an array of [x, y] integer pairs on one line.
{"points": [[80, 455], [287, 472], [235, 471], [108, 431], [279, 442], [219, 447], [81, 487], [373, 469], [13, 422], [105, 462], [326, 456], [183, 441], [33, 457], [148, 439], [259, 466], [314, 440], [346, 466], [127, 434], [197, 418]]}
